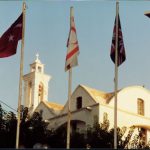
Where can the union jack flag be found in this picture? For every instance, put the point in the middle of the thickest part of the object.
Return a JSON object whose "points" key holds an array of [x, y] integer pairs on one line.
{"points": [[121, 49]]}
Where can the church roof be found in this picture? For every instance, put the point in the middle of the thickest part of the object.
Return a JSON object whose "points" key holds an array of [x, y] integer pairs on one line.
{"points": [[103, 97], [54, 106], [99, 96]]}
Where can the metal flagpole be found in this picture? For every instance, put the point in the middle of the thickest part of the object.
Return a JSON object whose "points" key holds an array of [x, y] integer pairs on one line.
{"points": [[21, 75], [69, 113], [116, 78], [71, 61]]}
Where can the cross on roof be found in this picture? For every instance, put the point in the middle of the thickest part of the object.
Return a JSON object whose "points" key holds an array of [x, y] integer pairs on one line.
{"points": [[37, 56]]}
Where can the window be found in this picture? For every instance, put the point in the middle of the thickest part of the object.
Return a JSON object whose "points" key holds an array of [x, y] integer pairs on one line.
{"points": [[140, 106], [39, 69], [40, 92], [33, 69], [105, 117], [30, 84], [30, 93], [41, 112], [105, 124], [79, 102]]}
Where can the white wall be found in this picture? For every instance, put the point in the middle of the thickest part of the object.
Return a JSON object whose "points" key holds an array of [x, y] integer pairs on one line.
{"points": [[127, 99], [47, 113], [87, 100], [124, 118], [83, 114]]}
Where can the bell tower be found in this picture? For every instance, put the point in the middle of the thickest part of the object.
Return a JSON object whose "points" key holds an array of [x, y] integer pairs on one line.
{"points": [[35, 85]]}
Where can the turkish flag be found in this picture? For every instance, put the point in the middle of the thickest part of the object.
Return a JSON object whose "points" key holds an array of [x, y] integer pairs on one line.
{"points": [[9, 40]]}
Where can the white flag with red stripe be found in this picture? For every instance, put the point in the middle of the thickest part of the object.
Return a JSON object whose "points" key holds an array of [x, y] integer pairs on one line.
{"points": [[72, 45]]}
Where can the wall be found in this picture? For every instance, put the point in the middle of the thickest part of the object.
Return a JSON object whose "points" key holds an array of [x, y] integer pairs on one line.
{"points": [[127, 99], [87, 100], [83, 114]]}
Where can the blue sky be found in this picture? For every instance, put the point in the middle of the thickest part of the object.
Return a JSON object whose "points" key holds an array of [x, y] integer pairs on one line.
{"points": [[46, 32]]}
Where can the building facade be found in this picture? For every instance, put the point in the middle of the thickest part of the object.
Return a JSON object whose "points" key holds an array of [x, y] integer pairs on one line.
{"points": [[88, 105]]}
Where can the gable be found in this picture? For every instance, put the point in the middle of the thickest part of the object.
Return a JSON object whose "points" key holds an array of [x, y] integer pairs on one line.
{"points": [[97, 95], [89, 97], [46, 112], [54, 106]]}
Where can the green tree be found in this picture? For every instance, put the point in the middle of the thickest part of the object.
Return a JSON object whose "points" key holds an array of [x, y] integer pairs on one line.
{"points": [[7, 129], [98, 137], [77, 140], [57, 139], [33, 130]]}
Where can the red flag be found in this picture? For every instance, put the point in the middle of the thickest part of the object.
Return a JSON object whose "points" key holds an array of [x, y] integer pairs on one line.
{"points": [[72, 45], [121, 49], [9, 40]]}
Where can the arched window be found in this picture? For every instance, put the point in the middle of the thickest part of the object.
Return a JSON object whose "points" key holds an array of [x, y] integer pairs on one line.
{"points": [[140, 106], [30, 93], [40, 92], [39, 69]]}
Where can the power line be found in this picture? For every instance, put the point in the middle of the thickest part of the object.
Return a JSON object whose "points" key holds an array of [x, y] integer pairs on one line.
{"points": [[8, 106]]}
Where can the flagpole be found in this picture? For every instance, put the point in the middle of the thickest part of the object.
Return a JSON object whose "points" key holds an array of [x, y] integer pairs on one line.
{"points": [[21, 75], [71, 61], [69, 113], [116, 78]]}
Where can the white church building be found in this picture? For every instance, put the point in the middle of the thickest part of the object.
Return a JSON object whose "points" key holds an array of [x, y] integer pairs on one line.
{"points": [[88, 105]]}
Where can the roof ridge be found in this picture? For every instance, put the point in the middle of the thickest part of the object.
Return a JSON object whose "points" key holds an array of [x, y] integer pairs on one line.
{"points": [[53, 105], [99, 96], [89, 88]]}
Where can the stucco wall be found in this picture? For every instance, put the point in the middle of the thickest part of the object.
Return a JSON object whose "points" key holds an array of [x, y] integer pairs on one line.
{"points": [[46, 111], [87, 100], [127, 99], [124, 118], [83, 114]]}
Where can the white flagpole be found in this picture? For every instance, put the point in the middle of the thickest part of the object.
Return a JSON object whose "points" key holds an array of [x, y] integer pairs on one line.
{"points": [[116, 77], [21, 76], [69, 113], [71, 61]]}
